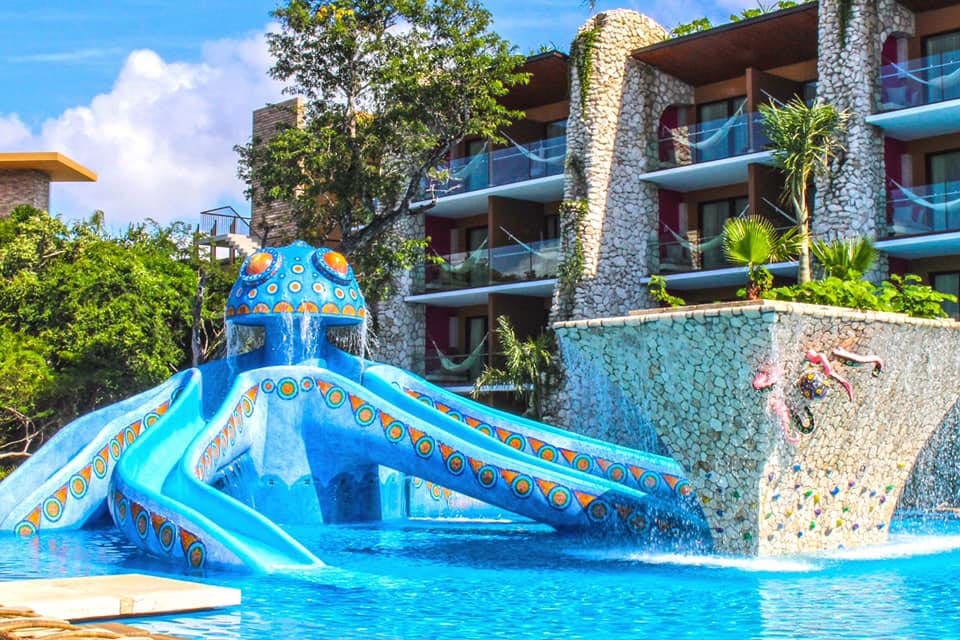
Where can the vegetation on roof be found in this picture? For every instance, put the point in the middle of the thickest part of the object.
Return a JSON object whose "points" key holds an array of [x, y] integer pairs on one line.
{"points": [[704, 24]]}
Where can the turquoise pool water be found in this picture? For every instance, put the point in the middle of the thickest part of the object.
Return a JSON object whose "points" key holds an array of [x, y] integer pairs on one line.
{"points": [[435, 580]]}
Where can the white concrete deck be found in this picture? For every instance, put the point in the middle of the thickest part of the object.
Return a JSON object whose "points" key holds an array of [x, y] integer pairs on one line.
{"points": [[113, 596]]}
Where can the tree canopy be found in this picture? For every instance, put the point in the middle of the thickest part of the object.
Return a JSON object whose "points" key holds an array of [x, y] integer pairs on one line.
{"points": [[87, 319], [390, 88]]}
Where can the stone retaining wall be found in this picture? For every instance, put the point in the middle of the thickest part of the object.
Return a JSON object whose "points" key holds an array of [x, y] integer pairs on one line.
{"points": [[766, 488]]}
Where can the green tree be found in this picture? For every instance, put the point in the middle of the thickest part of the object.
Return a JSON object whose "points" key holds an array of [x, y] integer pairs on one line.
{"points": [[845, 259], [754, 243], [390, 87], [804, 140], [87, 319], [527, 365]]}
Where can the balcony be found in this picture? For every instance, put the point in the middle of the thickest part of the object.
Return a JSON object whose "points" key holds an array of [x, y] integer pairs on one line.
{"points": [[710, 154], [505, 265], [697, 263], [920, 98], [924, 221], [532, 171]]}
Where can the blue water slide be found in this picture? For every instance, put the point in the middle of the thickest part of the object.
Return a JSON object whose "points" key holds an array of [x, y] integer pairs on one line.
{"points": [[307, 420], [64, 484], [160, 496], [647, 472]]}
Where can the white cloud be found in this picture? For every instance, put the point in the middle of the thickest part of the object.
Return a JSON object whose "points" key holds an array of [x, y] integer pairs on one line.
{"points": [[161, 141], [12, 131]]}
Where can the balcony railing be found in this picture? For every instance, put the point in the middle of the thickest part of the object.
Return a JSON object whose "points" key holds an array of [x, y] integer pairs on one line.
{"points": [[712, 140], [920, 82], [215, 222], [694, 254], [924, 209], [453, 368], [502, 166], [499, 265]]}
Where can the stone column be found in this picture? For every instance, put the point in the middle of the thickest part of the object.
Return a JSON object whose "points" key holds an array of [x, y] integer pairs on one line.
{"points": [[851, 201], [24, 187], [275, 220], [401, 326], [615, 109]]}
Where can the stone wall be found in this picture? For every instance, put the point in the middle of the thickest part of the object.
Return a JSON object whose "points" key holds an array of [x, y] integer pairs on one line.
{"points": [[24, 187], [766, 487], [850, 202], [611, 140], [275, 220], [401, 326]]}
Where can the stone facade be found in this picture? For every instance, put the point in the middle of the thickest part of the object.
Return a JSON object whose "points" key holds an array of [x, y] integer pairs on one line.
{"points": [[850, 202], [765, 487], [401, 326], [24, 187], [611, 141], [275, 222]]}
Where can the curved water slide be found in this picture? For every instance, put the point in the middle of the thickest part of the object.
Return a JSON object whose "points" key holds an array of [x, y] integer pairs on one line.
{"points": [[640, 470], [64, 484], [309, 421]]}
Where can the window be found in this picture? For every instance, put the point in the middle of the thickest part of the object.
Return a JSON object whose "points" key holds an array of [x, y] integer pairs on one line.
{"points": [[713, 215], [713, 118], [556, 129], [551, 227], [943, 173], [948, 282], [476, 333], [942, 63]]}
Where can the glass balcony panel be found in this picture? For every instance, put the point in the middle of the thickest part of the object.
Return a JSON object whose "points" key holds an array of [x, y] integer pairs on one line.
{"points": [[524, 262], [500, 265], [461, 270], [924, 209], [712, 140], [453, 368], [919, 82], [694, 254], [512, 164]]}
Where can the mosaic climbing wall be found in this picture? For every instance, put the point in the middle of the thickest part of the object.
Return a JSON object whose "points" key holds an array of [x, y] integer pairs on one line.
{"points": [[798, 426]]}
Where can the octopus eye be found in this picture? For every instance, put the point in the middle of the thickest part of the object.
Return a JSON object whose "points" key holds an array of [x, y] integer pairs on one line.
{"points": [[260, 266], [333, 265]]}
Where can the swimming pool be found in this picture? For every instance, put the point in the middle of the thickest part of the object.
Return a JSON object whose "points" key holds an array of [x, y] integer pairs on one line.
{"points": [[465, 581]]}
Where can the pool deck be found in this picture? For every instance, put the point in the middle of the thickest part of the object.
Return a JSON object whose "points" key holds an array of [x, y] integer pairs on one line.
{"points": [[116, 596]]}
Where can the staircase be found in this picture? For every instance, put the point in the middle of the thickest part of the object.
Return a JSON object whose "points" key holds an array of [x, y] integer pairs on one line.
{"points": [[244, 245]]}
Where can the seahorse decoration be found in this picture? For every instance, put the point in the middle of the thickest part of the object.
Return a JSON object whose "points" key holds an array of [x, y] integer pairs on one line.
{"points": [[813, 385]]}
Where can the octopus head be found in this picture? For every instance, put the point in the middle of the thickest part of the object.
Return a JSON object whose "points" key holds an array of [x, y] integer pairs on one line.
{"points": [[296, 280]]}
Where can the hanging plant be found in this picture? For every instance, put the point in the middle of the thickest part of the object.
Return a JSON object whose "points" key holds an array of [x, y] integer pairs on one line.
{"points": [[569, 273], [845, 8], [581, 52]]}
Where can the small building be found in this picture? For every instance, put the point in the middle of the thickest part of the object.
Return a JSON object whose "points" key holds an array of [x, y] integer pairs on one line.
{"points": [[25, 178]]}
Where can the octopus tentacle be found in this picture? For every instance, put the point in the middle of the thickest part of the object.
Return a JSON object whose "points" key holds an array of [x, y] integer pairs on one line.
{"points": [[849, 356]]}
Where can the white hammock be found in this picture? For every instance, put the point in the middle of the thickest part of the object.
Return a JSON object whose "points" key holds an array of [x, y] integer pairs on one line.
{"points": [[702, 247], [465, 170], [464, 365], [715, 137], [940, 207], [947, 81], [472, 260], [533, 156]]}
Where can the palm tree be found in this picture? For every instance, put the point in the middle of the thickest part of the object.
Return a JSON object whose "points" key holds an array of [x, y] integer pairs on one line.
{"points": [[754, 243], [528, 362], [845, 259], [803, 139]]}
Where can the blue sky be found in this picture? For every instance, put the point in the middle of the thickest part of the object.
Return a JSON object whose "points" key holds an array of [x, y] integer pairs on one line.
{"points": [[153, 94]]}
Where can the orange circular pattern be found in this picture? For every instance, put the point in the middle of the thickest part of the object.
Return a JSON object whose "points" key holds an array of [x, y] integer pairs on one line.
{"points": [[259, 263], [337, 262]]}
